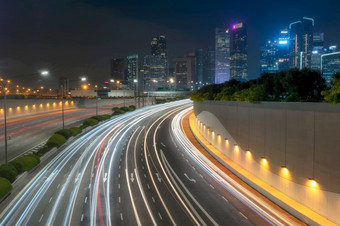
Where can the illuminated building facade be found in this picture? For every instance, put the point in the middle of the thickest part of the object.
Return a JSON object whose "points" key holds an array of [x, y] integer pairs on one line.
{"points": [[132, 70], [158, 48], [330, 64], [301, 43], [222, 55], [118, 69], [238, 53], [269, 58]]}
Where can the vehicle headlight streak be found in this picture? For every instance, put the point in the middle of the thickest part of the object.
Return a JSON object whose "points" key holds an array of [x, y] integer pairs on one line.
{"points": [[249, 199]]}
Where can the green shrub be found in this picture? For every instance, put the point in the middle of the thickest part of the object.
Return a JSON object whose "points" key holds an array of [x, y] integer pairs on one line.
{"points": [[125, 109], [56, 141], [5, 187], [105, 117], [101, 117], [132, 107], [43, 150], [17, 166], [9, 172], [65, 133], [118, 112], [27, 162], [83, 126], [90, 122], [75, 131], [115, 108]]}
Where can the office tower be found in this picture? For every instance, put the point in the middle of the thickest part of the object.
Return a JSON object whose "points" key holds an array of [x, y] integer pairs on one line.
{"points": [[283, 50], [158, 48], [198, 82], [238, 52], [209, 66], [330, 64], [185, 71], [222, 54], [118, 69], [318, 50], [269, 58], [132, 70], [154, 72], [301, 43]]}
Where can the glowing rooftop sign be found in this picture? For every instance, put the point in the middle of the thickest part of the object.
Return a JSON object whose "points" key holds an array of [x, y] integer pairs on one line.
{"points": [[239, 25]]}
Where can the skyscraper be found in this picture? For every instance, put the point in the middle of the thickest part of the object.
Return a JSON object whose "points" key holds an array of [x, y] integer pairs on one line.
{"points": [[154, 71], [283, 50], [222, 54], [118, 69], [185, 71], [132, 70], [330, 64], [209, 66], [238, 53], [269, 58], [158, 48], [198, 82], [301, 43]]}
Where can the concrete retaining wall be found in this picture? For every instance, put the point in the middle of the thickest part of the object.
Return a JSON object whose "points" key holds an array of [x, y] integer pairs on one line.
{"points": [[303, 137]]}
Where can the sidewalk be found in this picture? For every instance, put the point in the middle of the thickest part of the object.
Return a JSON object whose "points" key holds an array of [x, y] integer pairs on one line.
{"points": [[225, 164]]}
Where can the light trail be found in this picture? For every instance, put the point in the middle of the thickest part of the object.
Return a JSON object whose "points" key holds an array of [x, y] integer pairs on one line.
{"points": [[248, 198]]}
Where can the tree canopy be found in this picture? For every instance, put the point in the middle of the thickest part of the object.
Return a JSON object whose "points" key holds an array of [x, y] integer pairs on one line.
{"points": [[293, 85]]}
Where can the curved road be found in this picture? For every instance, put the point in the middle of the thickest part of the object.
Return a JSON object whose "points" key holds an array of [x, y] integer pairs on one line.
{"points": [[135, 169]]}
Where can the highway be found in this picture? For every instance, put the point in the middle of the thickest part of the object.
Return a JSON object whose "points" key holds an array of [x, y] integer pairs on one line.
{"points": [[27, 132], [135, 169]]}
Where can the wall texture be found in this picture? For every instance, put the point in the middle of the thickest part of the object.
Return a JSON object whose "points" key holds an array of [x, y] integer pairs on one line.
{"points": [[304, 137]]}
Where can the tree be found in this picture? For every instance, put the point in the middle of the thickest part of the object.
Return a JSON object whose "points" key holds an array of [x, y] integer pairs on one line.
{"points": [[332, 95]]}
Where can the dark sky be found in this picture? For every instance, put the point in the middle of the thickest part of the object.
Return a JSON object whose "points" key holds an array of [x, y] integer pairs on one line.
{"points": [[71, 38]]}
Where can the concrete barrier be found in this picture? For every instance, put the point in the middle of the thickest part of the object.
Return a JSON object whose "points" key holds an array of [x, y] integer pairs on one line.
{"points": [[289, 144]]}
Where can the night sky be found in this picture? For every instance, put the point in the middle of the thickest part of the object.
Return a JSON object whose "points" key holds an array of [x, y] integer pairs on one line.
{"points": [[74, 38]]}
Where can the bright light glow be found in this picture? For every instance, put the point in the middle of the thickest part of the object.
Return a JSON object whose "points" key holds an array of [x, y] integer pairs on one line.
{"points": [[236, 147], [135, 80], [83, 79], [315, 52], [44, 73], [111, 80], [312, 183], [84, 86], [248, 153], [283, 42]]}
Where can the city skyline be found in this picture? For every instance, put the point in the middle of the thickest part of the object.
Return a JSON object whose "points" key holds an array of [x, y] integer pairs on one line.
{"points": [[79, 38]]}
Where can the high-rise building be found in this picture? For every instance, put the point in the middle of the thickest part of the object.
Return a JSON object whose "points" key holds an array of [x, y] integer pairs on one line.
{"points": [[184, 71], [301, 43], [118, 69], [158, 48], [132, 71], [198, 82], [318, 50], [222, 55], [269, 58], [330, 64], [283, 50], [238, 52], [209, 66], [154, 72]]}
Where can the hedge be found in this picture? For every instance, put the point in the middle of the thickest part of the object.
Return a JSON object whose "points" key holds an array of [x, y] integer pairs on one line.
{"points": [[5, 187], [101, 117], [56, 141], [115, 108], [43, 150], [118, 112], [90, 122], [75, 131], [65, 133], [9, 172], [27, 162]]}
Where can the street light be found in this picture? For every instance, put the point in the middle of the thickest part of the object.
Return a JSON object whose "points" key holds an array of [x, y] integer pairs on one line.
{"points": [[135, 85], [3, 83]]}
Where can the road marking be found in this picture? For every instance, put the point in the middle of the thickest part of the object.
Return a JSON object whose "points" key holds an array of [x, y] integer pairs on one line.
{"points": [[160, 216], [120, 159], [86, 199], [141, 159], [82, 218], [119, 167], [50, 200], [119, 199], [142, 167], [58, 186], [211, 186], [225, 199], [144, 175], [92, 174], [201, 175], [148, 186], [118, 186], [243, 216], [153, 199], [89, 186], [194, 168], [118, 175], [190, 179], [163, 144], [159, 178], [42, 215], [132, 179], [121, 217]]}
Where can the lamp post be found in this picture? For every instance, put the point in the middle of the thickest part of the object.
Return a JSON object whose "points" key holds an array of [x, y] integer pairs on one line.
{"points": [[3, 84]]}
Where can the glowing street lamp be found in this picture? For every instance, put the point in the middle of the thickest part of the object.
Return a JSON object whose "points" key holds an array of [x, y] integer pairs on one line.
{"points": [[44, 73]]}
